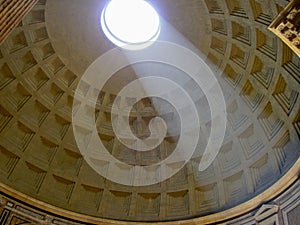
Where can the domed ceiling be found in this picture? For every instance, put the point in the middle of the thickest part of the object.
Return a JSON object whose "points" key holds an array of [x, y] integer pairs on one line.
{"points": [[45, 57]]}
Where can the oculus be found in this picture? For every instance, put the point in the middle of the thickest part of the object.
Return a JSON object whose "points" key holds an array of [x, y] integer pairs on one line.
{"points": [[130, 24]]}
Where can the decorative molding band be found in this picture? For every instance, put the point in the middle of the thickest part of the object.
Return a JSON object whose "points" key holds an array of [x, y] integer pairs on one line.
{"points": [[12, 13]]}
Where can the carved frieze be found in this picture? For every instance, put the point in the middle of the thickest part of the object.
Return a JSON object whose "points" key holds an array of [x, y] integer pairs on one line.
{"points": [[287, 26]]}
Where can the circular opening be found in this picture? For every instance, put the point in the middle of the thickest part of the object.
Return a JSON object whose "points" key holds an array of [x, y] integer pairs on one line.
{"points": [[131, 24]]}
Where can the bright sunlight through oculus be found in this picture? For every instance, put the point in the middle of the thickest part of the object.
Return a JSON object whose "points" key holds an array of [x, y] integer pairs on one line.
{"points": [[130, 24]]}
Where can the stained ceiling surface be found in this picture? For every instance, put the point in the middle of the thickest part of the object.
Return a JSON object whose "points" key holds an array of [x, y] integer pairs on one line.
{"points": [[45, 58]]}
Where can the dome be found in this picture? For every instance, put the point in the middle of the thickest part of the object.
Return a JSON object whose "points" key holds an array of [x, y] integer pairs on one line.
{"points": [[66, 88]]}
